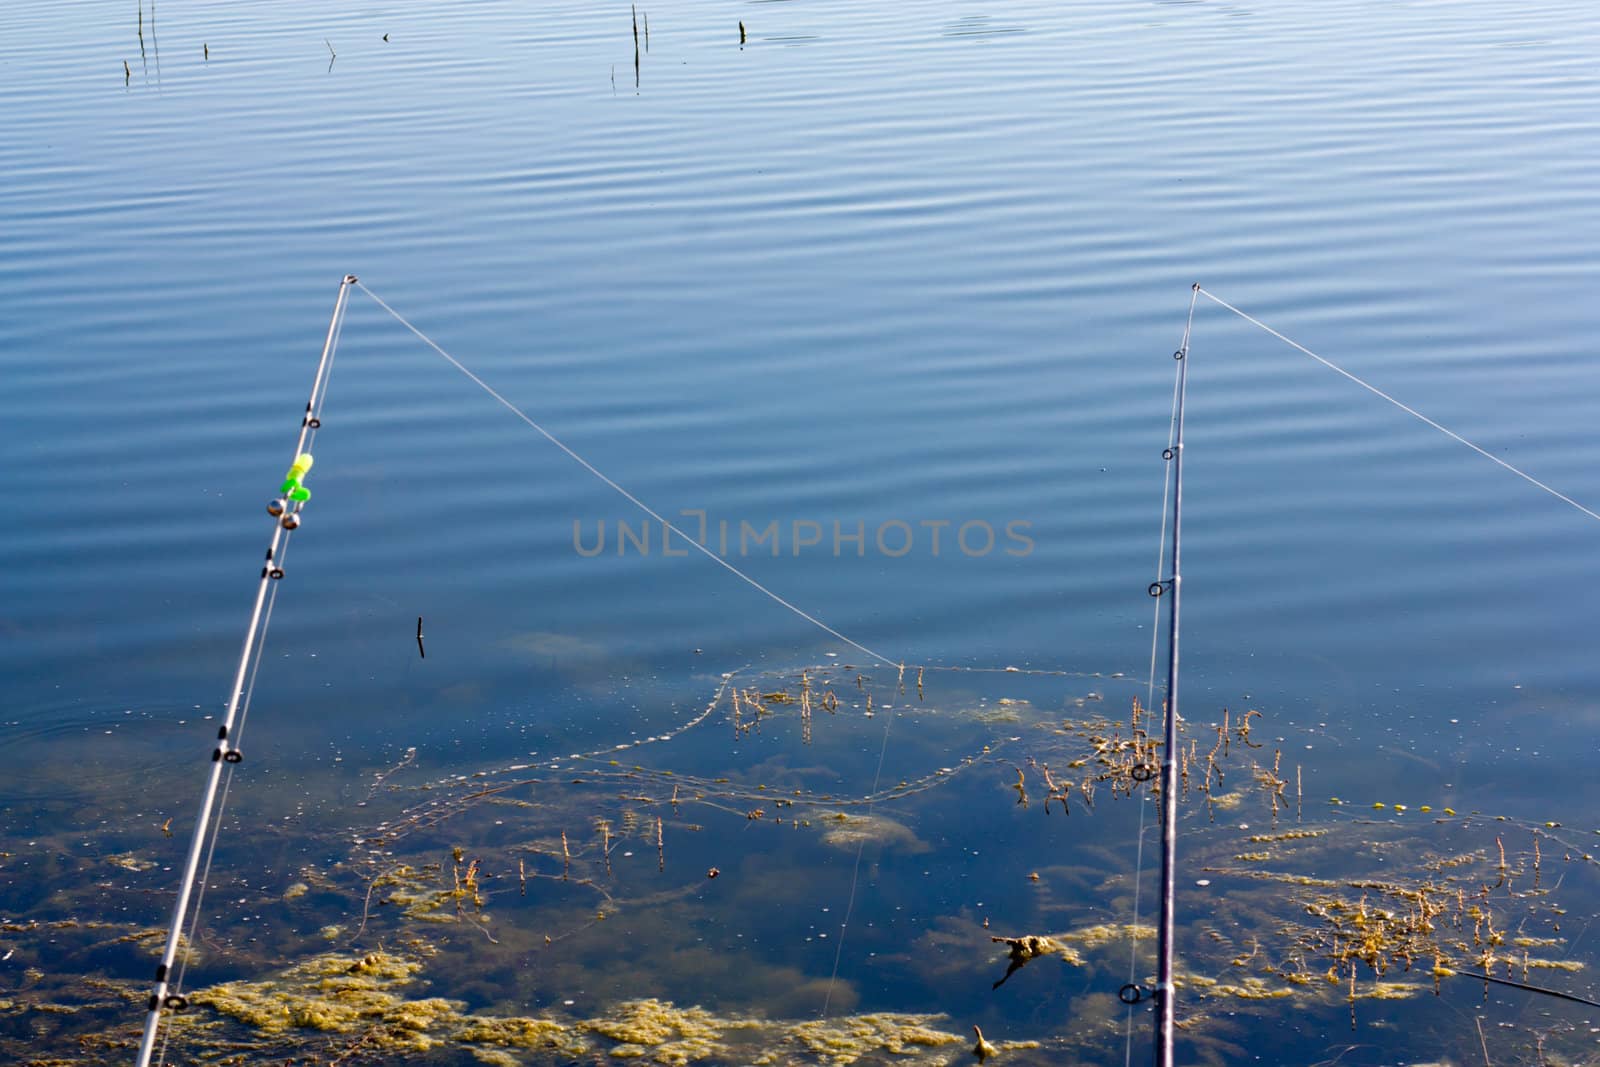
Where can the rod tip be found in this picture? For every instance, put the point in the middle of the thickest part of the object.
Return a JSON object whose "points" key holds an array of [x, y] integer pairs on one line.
{"points": [[351, 279]]}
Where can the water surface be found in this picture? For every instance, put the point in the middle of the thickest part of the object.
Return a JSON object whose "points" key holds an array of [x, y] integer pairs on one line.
{"points": [[916, 265]]}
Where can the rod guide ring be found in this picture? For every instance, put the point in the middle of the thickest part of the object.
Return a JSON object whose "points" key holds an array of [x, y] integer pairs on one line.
{"points": [[1130, 994]]}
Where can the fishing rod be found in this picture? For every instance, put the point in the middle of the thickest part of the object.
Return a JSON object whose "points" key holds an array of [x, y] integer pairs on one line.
{"points": [[1165, 994], [285, 510]]}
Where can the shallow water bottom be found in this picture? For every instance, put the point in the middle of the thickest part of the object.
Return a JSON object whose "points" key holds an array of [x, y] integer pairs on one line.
{"points": [[821, 865]]}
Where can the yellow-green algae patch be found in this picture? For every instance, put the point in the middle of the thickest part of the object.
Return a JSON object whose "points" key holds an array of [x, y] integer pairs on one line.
{"points": [[1555, 965], [1002, 714], [340, 994], [1251, 988], [1228, 801], [518, 1032], [1390, 990], [659, 1031], [367, 995], [840, 1042], [329, 992], [1288, 835], [848, 832], [1104, 934], [419, 894]]}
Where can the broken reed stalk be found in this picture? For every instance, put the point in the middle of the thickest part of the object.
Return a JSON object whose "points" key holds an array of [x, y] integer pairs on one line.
{"points": [[636, 46], [566, 857], [661, 847], [805, 708]]}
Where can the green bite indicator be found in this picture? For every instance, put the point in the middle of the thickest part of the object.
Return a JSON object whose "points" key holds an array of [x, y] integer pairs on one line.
{"points": [[292, 487]]}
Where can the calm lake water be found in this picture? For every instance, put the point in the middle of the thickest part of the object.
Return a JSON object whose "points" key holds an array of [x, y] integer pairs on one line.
{"points": [[912, 269]]}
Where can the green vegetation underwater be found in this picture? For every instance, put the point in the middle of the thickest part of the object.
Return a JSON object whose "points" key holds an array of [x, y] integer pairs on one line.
{"points": [[680, 897]]}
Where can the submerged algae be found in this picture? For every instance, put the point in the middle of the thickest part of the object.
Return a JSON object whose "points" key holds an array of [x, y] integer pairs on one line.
{"points": [[663, 1033], [839, 1042], [846, 831], [329, 992], [365, 998]]}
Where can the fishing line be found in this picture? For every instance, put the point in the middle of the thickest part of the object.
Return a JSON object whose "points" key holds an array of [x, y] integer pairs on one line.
{"points": [[855, 874], [1413, 412], [635, 501]]}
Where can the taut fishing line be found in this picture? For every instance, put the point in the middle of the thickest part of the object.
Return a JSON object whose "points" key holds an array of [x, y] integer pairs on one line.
{"points": [[1409, 410], [635, 501]]}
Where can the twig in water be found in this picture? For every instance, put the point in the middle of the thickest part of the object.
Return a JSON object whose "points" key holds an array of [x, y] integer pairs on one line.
{"points": [[1482, 1041], [331, 52], [366, 907]]}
